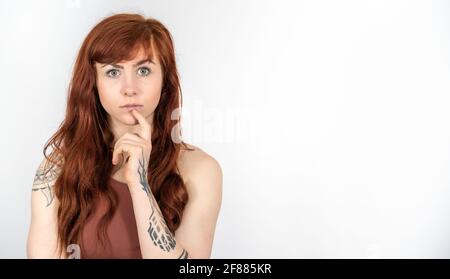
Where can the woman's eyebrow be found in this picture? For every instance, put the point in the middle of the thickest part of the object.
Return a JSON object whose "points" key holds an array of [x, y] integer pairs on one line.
{"points": [[135, 65], [143, 61]]}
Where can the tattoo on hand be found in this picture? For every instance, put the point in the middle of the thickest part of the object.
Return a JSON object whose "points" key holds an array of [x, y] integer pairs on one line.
{"points": [[44, 180], [158, 230]]}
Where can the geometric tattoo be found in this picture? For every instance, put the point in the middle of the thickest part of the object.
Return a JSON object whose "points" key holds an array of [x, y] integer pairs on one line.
{"points": [[44, 181], [159, 233], [184, 255], [143, 175]]}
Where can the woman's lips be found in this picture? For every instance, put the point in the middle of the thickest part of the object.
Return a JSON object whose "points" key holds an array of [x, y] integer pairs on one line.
{"points": [[129, 108]]}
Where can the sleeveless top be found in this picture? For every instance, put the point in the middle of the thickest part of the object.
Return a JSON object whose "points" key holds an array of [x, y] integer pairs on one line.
{"points": [[122, 231]]}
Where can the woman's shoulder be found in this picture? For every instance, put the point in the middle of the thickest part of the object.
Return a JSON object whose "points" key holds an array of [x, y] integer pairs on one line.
{"points": [[197, 167], [48, 170], [192, 154]]}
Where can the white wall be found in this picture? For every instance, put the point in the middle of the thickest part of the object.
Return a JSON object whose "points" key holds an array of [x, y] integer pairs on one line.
{"points": [[331, 119]]}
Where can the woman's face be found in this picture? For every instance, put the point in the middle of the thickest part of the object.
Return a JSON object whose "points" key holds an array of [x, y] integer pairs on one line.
{"points": [[137, 81]]}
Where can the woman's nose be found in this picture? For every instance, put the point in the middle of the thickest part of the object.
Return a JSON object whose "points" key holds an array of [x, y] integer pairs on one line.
{"points": [[129, 85], [129, 92]]}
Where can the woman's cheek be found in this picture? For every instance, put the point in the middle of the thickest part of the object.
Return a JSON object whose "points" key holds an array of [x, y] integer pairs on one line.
{"points": [[153, 102], [107, 99]]}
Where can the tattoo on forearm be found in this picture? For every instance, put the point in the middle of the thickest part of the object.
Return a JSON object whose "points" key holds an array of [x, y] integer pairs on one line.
{"points": [[143, 175], [158, 230], [184, 255], [44, 180]]}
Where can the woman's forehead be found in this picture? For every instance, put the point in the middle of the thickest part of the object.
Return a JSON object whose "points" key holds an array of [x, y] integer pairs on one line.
{"points": [[142, 55], [139, 58]]}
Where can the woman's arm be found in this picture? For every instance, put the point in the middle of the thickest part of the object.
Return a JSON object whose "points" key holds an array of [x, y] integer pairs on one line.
{"points": [[43, 233], [194, 237]]}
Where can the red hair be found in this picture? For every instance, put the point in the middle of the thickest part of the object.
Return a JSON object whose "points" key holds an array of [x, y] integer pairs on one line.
{"points": [[83, 139]]}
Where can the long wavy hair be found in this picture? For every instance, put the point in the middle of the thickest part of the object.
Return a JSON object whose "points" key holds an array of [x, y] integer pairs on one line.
{"points": [[82, 144]]}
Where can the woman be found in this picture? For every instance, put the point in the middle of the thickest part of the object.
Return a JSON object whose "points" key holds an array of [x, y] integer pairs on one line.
{"points": [[119, 182]]}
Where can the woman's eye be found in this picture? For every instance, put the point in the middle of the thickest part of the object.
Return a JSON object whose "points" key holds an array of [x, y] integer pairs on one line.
{"points": [[144, 71], [113, 73]]}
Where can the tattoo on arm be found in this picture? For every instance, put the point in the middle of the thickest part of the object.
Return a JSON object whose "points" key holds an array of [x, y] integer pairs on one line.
{"points": [[143, 175], [184, 255], [44, 180], [158, 230]]}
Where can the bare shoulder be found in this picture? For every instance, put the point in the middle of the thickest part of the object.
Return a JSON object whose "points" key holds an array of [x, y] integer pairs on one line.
{"points": [[44, 179], [202, 175], [199, 169], [46, 173]]}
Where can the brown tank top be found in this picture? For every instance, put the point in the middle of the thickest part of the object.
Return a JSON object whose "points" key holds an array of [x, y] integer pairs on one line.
{"points": [[122, 231]]}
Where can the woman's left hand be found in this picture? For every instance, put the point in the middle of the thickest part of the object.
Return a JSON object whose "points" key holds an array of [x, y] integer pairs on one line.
{"points": [[135, 149]]}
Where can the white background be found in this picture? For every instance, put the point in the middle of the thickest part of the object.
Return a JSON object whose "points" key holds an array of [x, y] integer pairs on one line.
{"points": [[330, 119]]}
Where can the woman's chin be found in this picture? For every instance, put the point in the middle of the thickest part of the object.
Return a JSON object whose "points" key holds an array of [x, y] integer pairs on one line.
{"points": [[129, 119]]}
